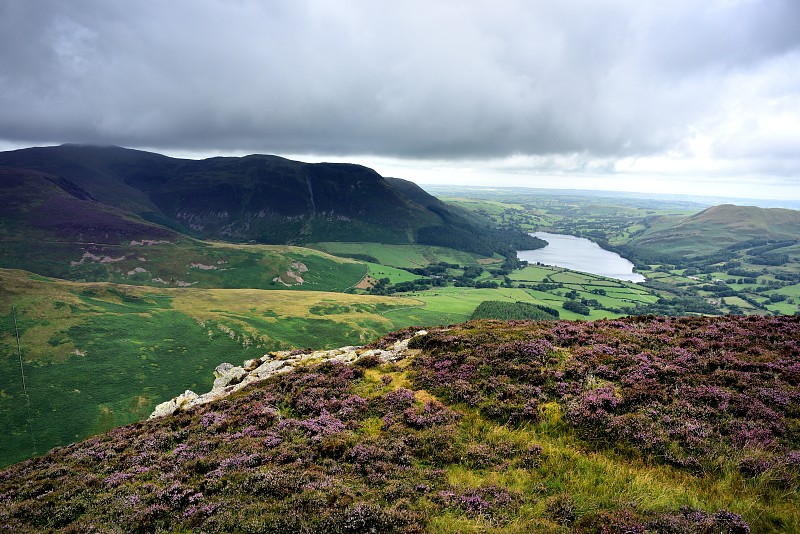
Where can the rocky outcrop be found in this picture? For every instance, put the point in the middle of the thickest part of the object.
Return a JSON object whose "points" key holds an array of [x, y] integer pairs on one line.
{"points": [[229, 378]]}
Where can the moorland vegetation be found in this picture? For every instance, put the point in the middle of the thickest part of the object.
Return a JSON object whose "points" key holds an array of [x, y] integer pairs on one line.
{"points": [[640, 424]]}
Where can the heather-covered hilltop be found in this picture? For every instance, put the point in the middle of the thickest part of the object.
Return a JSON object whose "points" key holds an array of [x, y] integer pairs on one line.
{"points": [[635, 425]]}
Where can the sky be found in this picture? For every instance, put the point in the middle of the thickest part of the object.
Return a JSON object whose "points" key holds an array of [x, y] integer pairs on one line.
{"points": [[683, 96]]}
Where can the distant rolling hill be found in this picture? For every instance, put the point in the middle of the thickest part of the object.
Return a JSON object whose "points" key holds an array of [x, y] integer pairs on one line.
{"points": [[715, 229], [257, 198]]}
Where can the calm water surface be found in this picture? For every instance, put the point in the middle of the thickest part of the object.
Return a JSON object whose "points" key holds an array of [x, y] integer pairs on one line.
{"points": [[579, 254]]}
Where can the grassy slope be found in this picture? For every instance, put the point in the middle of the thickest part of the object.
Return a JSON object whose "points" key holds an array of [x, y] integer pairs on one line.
{"points": [[395, 275], [467, 445], [100, 355], [183, 262], [408, 256]]}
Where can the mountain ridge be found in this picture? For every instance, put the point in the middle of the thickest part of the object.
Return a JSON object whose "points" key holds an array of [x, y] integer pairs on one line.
{"points": [[261, 198], [250, 199]]}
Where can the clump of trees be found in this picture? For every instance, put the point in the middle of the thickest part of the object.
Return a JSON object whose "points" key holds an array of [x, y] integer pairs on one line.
{"points": [[577, 307], [385, 287], [508, 311], [770, 258]]}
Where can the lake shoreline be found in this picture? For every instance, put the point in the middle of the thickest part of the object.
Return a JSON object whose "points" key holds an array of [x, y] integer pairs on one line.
{"points": [[582, 255]]}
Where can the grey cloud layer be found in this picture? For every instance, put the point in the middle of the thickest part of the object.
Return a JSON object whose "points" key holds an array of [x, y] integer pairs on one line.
{"points": [[417, 79]]}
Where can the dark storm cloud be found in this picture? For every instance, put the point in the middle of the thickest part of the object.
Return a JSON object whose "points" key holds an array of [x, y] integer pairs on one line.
{"points": [[448, 79]]}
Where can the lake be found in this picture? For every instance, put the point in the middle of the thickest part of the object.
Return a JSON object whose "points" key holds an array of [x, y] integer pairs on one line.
{"points": [[579, 254]]}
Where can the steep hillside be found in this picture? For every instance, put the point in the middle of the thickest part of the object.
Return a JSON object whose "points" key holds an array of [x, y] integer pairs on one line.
{"points": [[100, 355], [51, 226], [54, 207], [48, 222], [716, 228], [265, 199], [101, 170], [634, 425]]}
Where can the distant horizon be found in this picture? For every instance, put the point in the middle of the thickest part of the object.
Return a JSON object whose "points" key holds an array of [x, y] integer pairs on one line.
{"points": [[704, 200]]}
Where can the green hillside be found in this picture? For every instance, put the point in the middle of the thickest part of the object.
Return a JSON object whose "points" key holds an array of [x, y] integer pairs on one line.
{"points": [[716, 228], [52, 227], [101, 355]]}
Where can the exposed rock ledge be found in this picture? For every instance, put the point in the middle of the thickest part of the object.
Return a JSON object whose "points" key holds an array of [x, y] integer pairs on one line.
{"points": [[229, 378]]}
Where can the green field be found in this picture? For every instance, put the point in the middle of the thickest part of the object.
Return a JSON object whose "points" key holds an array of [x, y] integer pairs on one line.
{"points": [[618, 294], [394, 274], [533, 273], [456, 304], [409, 256]]}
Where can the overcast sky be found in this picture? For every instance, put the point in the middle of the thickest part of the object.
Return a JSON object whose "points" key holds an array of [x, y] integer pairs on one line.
{"points": [[693, 96]]}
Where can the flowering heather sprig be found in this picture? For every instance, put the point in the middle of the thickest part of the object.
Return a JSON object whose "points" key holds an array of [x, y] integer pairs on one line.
{"points": [[792, 459], [115, 479], [316, 428], [397, 401], [204, 510], [210, 419], [248, 432], [595, 406], [484, 501], [528, 350], [388, 420], [353, 407], [432, 413]]}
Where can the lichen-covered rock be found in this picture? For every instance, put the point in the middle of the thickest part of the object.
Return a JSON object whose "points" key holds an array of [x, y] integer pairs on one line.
{"points": [[173, 405], [226, 374], [229, 378], [268, 368]]}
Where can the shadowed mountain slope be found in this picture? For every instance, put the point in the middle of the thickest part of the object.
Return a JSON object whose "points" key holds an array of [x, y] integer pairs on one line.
{"points": [[52, 226], [258, 198]]}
